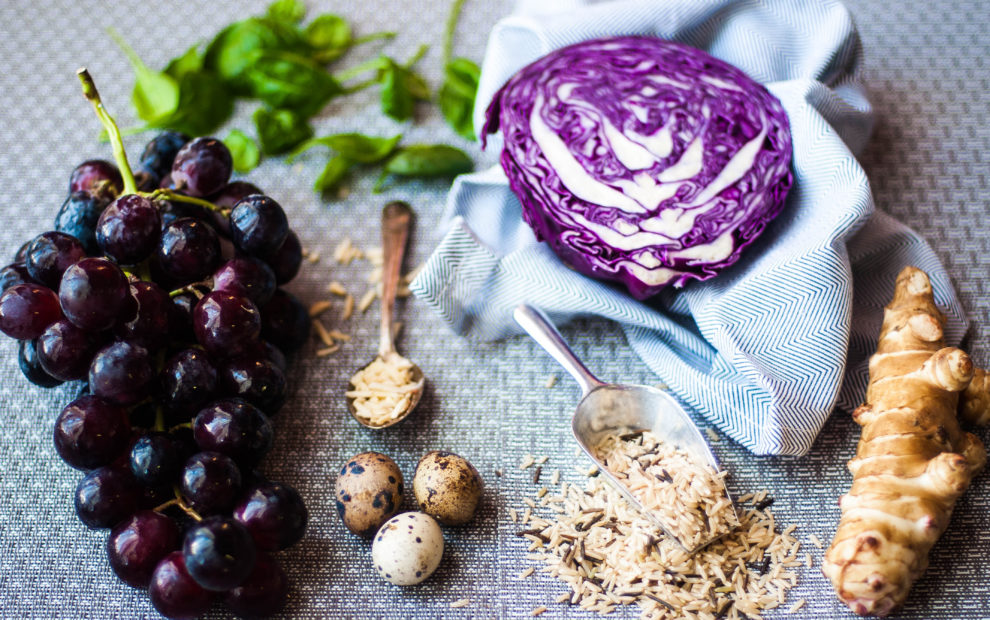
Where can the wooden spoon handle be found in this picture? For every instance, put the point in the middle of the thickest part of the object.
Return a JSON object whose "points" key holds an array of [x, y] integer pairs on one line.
{"points": [[396, 220]]}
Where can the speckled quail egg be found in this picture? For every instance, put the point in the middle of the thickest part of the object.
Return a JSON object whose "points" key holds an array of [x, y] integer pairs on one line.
{"points": [[368, 492], [447, 487], [408, 548]]}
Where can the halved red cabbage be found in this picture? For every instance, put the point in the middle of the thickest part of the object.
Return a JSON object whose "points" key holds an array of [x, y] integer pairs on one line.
{"points": [[643, 160]]}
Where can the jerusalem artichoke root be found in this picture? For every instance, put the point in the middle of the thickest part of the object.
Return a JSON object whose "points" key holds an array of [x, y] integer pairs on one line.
{"points": [[912, 461]]}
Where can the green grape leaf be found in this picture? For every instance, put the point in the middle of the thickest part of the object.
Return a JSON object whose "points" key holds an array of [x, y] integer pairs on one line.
{"points": [[332, 174], [289, 81], [456, 96], [291, 11], [243, 150], [279, 131]]}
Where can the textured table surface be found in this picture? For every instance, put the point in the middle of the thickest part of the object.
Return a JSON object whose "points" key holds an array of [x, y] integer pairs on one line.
{"points": [[927, 73]]}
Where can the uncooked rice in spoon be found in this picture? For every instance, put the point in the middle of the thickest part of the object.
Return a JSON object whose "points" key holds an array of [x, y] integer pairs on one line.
{"points": [[384, 389]]}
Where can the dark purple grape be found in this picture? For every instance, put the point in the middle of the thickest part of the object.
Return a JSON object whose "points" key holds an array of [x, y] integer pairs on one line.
{"points": [[146, 180], [189, 381], [172, 210], [274, 513], [189, 250], [137, 545], [90, 432], [95, 175], [264, 592], [121, 373], [258, 380], [276, 356], [21, 254], [202, 167], [181, 327], [27, 309], [285, 261], [79, 216], [160, 152], [106, 496], [185, 444], [174, 593], [226, 199], [211, 482], [147, 317], [219, 553], [258, 225], [14, 273], [226, 325], [93, 293], [50, 254], [129, 229], [248, 277], [235, 428], [155, 459], [65, 351], [27, 359], [285, 321]]}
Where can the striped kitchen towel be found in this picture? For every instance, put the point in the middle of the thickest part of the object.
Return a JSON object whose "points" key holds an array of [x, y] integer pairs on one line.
{"points": [[766, 350]]}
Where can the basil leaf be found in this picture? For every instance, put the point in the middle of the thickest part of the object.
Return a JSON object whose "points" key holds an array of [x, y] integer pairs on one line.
{"points": [[234, 49], [354, 146], [456, 96], [204, 105], [362, 149], [329, 36], [189, 62], [156, 94], [291, 11], [332, 174], [425, 161], [243, 150], [397, 101], [289, 81], [280, 130]]}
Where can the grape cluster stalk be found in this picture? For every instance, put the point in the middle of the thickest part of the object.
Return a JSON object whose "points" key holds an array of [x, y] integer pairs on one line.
{"points": [[160, 292]]}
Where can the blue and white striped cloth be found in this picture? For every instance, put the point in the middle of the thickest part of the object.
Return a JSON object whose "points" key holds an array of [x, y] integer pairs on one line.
{"points": [[766, 350]]}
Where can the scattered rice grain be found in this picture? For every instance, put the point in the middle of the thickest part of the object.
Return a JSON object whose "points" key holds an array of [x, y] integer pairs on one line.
{"points": [[550, 382], [319, 308], [526, 462], [327, 351], [348, 307], [323, 334], [796, 606], [367, 300], [460, 603], [526, 573], [555, 478], [336, 288], [538, 611], [816, 541]]}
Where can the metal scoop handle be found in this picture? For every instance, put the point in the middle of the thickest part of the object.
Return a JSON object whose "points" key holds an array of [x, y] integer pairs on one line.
{"points": [[539, 327]]}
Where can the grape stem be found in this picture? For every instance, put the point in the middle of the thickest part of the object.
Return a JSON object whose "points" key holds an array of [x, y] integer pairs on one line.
{"points": [[119, 155], [167, 194], [191, 288], [181, 503]]}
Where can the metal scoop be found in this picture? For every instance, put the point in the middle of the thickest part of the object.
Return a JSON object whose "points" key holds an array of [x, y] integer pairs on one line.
{"points": [[619, 409]]}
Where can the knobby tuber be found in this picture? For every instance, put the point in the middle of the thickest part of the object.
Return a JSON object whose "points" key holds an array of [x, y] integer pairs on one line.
{"points": [[912, 461]]}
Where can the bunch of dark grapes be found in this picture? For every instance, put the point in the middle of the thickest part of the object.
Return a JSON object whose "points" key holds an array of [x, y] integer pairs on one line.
{"points": [[167, 306]]}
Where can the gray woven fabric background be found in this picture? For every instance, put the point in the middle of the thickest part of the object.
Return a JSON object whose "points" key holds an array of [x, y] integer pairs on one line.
{"points": [[926, 70]]}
